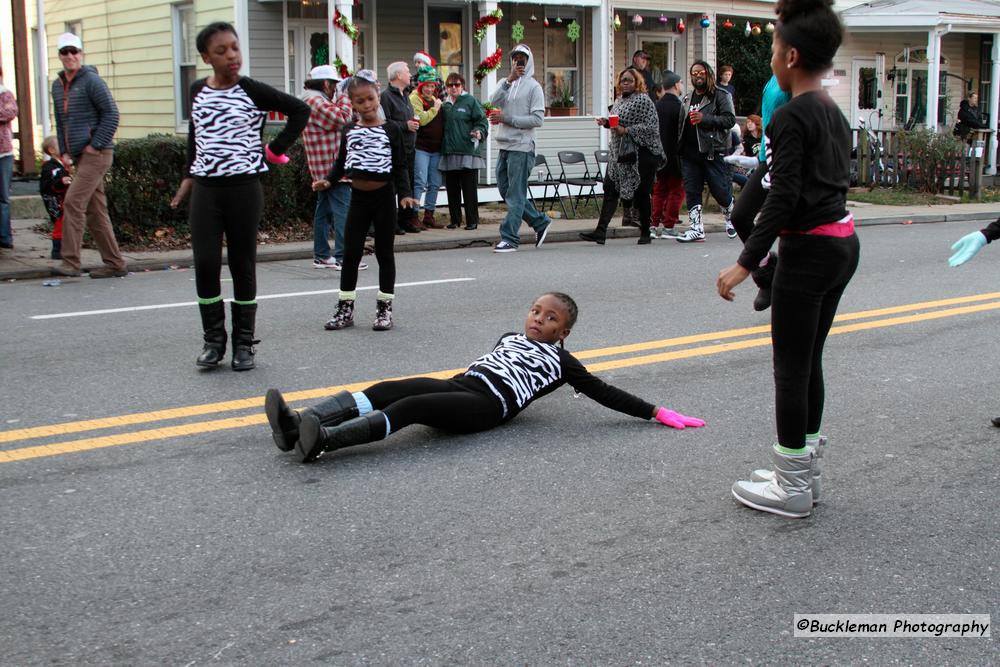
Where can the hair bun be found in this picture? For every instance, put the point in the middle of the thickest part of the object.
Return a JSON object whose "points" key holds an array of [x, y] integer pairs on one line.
{"points": [[789, 9]]}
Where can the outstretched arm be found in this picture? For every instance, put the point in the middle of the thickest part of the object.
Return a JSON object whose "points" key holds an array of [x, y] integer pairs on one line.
{"points": [[970, 244]]}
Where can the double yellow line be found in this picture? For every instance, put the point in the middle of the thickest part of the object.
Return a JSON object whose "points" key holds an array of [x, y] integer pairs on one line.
{"points": [[690, 346]]}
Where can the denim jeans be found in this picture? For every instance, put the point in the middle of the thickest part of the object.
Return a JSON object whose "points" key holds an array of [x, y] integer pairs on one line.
{"points": [[6, 172], [513, 172], [331, 211], [715, 172], [426, 177]]}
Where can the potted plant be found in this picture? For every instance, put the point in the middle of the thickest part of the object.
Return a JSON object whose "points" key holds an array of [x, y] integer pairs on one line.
{"points": [[563, 103]]}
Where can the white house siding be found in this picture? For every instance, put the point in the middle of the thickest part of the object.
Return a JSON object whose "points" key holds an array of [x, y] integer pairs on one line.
{"points": [[399, 32], [267, 45], [867, 44]]}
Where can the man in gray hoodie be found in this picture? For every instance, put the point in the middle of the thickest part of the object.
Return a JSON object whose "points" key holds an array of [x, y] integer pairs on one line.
{"points": [[520, 108]]}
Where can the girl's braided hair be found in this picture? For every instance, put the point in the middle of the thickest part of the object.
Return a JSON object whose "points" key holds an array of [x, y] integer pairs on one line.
{"points": [[572, 310]]}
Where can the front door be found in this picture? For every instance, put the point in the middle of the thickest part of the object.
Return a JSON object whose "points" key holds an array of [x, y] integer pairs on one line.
{"points": [[662, 50], [308, 46]]}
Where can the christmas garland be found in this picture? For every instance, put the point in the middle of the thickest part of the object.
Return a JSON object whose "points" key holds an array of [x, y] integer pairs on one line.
{"points": [[341, 68], [344, 23], [479, 30], [489, 64]]}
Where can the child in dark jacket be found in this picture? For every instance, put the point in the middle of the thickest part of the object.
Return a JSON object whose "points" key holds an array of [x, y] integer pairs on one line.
{"points": [[54, 183]]}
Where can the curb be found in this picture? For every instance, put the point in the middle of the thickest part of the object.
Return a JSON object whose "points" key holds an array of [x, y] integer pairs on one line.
{"points": [[279, 254]]}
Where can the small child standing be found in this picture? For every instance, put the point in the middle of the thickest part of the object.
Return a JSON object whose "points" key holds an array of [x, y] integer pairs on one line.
{"points": [[54, 183], [492, 391], [372, 155]]}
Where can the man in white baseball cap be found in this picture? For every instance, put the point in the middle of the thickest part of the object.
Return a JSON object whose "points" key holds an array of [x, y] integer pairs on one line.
{"points": [[330, 111]]}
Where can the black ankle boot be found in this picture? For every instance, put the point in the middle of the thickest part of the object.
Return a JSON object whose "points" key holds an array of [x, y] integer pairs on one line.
{"points": [[314, 438], [763, 277], [593, 237], [285, 422], [213, 322], [244, 321]]}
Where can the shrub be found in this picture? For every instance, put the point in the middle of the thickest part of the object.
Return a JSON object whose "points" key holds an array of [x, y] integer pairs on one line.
{"points": [[932, 156], [147, 171]]}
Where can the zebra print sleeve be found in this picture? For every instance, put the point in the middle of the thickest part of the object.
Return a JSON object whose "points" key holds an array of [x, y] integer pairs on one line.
{"points": [[268, 99], [192, 148]]}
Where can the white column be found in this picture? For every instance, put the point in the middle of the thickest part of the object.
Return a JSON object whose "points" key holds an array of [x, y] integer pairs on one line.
{"points": [[933, 77], [991, 157], [486, 48], [602, 45], [241, 21], [42, 77], [341, 45]]}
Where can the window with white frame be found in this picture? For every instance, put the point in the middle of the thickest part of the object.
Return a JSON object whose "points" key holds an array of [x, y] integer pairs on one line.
{"points": [[185, 56], [563, 83]]}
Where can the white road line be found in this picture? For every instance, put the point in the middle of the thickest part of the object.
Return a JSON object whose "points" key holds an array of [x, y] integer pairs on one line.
{"points": [[185, 304]]}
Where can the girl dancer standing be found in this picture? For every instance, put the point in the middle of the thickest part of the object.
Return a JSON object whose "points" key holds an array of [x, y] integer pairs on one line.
{"points": [[372, 155], [494, 389], [225, 160], [809, 143]]}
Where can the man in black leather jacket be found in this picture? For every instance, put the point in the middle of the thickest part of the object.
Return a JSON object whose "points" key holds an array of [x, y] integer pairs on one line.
{"points": [[705, 122]]}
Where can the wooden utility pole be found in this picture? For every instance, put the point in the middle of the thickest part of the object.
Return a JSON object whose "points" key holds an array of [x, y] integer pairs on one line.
{"points": [[22, 73]]}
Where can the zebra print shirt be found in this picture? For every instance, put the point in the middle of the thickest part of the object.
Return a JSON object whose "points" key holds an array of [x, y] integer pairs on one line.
{"points": [[519, 370], [225, 130], [369, 151]]}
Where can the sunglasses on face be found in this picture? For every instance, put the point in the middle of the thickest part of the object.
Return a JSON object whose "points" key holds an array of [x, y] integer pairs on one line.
{"points": [[456, 84], [69, 51]]}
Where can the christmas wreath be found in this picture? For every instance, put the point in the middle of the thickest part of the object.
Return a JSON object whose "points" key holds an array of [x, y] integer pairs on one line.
{"points": [[344, 23], [479, 30], [489, 64]]}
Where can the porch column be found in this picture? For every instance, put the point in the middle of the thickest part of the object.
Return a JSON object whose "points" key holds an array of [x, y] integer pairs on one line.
{"points": [[340, 45], [602, 45], [933, 77], [241, 21], [486, 49], [991, 156]]}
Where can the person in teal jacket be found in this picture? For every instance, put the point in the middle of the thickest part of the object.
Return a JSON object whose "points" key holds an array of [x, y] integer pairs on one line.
{"points": [[465, 127]]}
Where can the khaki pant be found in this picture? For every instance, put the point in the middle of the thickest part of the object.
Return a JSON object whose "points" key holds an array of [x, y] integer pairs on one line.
{"points": [[85, 203]]}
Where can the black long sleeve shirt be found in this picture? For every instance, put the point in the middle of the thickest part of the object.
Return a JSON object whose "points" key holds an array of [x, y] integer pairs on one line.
{"points": [[809, 160]]}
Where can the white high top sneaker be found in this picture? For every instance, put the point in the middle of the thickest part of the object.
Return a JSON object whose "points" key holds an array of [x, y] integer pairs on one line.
{"points": [[818, 448], [696, 232], [788, 494], [727, 213]]}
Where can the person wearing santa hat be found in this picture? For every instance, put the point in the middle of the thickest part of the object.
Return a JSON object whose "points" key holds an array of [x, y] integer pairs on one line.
{"points": [[424, 59]]}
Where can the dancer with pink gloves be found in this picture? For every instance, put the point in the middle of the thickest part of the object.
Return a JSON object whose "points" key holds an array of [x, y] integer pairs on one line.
{"points": [[492, 391]]}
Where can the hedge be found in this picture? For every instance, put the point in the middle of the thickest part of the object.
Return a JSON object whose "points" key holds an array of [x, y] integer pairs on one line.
{"points": [[147, 171]]}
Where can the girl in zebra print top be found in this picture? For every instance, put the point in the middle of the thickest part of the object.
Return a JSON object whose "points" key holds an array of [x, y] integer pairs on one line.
{"points": [[226, 156], [493, 390]]}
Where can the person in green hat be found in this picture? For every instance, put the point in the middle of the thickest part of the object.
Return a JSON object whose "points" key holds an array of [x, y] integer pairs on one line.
{"points": [[426, 177]]}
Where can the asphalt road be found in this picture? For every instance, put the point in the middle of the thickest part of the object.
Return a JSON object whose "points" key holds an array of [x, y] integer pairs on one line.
{"points": [[573, 535]]}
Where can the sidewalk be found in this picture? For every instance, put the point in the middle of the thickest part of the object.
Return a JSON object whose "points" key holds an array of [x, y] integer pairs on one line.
{"points": [[29, 259]]}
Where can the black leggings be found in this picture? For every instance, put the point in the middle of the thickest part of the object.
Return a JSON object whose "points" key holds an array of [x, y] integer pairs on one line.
{"points": [[230, 210], [640, 200], [808, 284], [462, 187], [462, 405], [370, 208], [749, 203]]}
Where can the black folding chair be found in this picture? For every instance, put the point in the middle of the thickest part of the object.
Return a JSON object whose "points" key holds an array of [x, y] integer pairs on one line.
{"points": [[542, 177], [587, 180], [602, 157]]}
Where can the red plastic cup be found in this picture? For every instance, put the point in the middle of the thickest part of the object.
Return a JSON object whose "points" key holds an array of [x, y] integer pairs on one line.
{"points": [[612, 122], [691, 116], [496, 116]]}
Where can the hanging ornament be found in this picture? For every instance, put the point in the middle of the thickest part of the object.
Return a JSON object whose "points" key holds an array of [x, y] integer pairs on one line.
{"points": [[573, 31], [533, 19], [680, 26], [637, 20], [705, 21], [617, 22], [545, 22], [517, 32], [755, 30], [769, 28], [746, 30], [728, 24], [558, 19], [664, 20]]}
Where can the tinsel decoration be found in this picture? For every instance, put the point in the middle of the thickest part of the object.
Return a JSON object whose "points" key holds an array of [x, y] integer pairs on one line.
{"points": [[489, 64], [705, 21], [573, 31], [517, 32], [479, 29], [341, 68], [344, 24], [322, 55]]}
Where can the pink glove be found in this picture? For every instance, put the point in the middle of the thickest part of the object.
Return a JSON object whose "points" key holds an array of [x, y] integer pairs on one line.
{"points": [[272, 158], [676, 419]]}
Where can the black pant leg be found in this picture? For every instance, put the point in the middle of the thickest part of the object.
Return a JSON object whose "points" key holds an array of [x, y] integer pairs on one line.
{"points": [[453, 405], [384, 204], [470, 195], [453, 186], [244, 207], [359, 217]]}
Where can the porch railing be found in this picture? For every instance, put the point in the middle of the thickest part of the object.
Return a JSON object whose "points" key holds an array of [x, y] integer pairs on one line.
{"points": [[880, 159]]}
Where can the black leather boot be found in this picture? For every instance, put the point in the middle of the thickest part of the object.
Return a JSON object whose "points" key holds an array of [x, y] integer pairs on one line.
{"points": [[213, 322], [314, 438], [244, 321], [763, 277], [285, 422]]}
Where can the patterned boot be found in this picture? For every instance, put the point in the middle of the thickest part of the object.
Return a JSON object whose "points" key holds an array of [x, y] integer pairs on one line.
{"points": [[383, 315], [695, 232], [727, 213], [343, 317]]}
